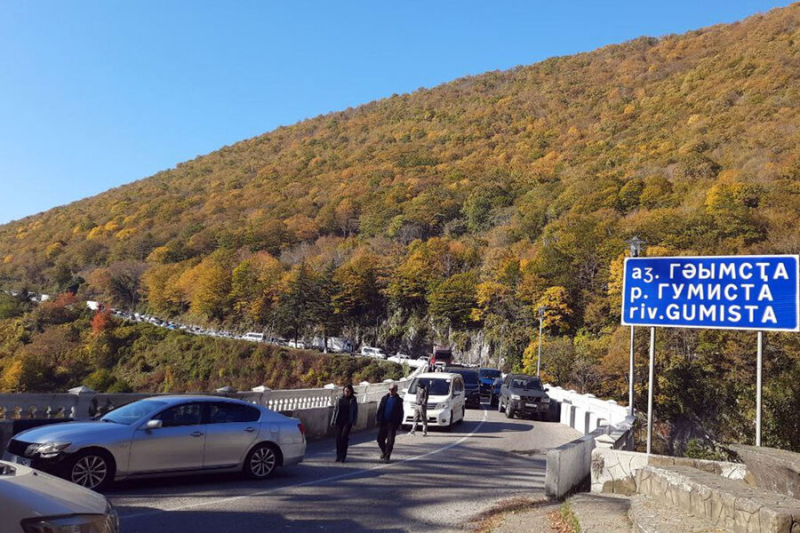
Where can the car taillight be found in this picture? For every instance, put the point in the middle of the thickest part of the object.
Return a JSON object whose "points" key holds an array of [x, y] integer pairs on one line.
{"points": [[302, 431]]}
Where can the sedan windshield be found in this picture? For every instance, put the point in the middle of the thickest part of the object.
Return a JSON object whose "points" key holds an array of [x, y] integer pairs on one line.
{"points": [[527, 384], [128, 414], [436, 387]]}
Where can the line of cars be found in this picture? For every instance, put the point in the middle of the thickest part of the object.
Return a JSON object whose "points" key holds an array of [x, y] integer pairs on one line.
{"points": [[153, 437]]}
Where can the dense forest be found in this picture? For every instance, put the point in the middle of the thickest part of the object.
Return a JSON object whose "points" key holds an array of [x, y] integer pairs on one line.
{"points": [[450, 214]]}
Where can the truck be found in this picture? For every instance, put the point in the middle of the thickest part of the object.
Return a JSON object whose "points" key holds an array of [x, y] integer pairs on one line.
{"points": [[335, 344], [442, 354]]}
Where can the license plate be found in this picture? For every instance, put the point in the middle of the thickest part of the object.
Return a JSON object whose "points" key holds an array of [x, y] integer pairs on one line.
{"points": [[530, 405]]}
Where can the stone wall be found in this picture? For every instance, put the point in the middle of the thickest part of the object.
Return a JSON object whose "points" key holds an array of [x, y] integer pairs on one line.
{"points": [[614, 471]]}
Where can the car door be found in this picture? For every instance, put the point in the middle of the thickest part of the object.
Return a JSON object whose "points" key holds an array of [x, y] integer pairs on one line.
{"points": [[459, 397], [504, 394], [231, 429], [176, 445]]}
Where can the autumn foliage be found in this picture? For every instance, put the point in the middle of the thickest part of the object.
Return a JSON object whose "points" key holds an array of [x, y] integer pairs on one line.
{"points": [[451, 214]]}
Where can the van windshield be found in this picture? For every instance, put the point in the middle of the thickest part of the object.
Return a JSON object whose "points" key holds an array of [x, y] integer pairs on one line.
{"points": [[436, 387]]}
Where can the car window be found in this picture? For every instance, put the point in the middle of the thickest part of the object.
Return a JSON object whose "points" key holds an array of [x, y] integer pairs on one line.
{"points": [[470, 377], [436, 387], [187, 414], [490, 373], [227, 412], [527, 384], [128, 414]]}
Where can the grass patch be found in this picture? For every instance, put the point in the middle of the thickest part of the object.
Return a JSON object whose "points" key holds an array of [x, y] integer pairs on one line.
{"points": [[488, 520], [564, 520]]}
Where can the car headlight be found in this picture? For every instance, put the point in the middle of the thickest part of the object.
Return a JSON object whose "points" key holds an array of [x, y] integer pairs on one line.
{"points": [[440, 406], [47, 450], [515, 397], [80, 523]]}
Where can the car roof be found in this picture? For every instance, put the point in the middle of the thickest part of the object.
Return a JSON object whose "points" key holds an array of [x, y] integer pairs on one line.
{"points": [[438, 375], [520, 376], [459, 370], [176, 398]]}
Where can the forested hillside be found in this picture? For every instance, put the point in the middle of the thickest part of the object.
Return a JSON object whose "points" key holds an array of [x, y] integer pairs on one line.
{"points": [[451, 214]]}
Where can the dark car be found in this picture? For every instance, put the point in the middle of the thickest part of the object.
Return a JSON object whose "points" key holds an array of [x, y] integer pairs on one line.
{"points": [[522, 394], [487, 376], [495, 397], [472, 385]]}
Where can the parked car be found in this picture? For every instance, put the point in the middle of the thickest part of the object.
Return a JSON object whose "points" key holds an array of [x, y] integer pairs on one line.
{"points": [[446, 400], [472, 385], [299, 345], [495, 395], [369, 351], [164, 435], [487, 376], [33, 501], [522, 394], [253, 336]]}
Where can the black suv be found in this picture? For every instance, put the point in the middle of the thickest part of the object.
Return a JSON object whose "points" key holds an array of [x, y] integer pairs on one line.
{"points": [[472, 385], [524, 395]]}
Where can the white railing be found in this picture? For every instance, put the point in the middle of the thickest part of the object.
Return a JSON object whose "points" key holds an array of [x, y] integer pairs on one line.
{"points": [[587, 413], [83, 403]]}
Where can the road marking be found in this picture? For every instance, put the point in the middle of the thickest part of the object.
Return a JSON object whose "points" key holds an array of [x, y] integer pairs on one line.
{"points": [[308, 483]]}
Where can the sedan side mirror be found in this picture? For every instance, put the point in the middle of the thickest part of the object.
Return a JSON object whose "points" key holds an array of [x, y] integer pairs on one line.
{"points": [[547, 389], [153, 424]]}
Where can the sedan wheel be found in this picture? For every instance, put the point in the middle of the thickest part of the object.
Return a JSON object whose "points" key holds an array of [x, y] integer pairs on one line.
{"points": [[509, 411], [261, 462], [91, 470]]}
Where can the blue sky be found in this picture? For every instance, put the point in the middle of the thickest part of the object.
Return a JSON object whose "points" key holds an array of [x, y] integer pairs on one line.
{"points": [[94, 94]]}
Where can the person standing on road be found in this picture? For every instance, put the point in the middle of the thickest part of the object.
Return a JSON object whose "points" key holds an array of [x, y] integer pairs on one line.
{"points": [[420, 409], [345, 414], [389, 418]]}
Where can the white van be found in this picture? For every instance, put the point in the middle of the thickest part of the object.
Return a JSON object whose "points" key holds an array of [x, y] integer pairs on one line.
{"points": [[369, 351], [446, 399], [253, 336]]}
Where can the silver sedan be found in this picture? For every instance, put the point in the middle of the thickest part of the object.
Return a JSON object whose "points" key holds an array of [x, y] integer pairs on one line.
{"points": [[164, 435]]}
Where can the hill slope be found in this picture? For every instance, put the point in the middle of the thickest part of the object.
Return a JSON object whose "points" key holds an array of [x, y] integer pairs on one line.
{"points": [[451, 213]]}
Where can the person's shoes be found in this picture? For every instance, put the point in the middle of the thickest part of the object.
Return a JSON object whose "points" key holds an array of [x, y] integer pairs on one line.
{"points": [[386, 460], [338, 459], [342, 460], [424, 433], [412, 432], [383, 457]]}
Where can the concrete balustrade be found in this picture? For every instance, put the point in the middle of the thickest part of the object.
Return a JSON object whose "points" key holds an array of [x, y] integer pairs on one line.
{"points": [[604, 424], [312, 406]]}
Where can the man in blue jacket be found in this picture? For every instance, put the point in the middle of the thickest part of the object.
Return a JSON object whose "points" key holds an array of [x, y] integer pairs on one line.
{"points": [[389, 418]]}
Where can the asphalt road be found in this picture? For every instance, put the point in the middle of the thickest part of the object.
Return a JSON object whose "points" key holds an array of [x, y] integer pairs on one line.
{"points": [[434, 483]]}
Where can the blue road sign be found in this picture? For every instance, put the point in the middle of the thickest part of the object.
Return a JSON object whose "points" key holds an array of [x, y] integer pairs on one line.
{"points": [[758, 292]]}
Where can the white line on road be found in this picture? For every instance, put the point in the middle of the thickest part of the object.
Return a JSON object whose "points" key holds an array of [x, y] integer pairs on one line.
{"points": [[308, 483]]}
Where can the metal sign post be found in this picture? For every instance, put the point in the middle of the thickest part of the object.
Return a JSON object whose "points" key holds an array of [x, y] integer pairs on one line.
{"points": [[630, 379], [758, 388], [650, 390], [542, 309]]}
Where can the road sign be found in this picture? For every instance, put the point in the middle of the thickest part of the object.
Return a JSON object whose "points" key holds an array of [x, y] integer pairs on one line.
{"points": [[758, 292]]}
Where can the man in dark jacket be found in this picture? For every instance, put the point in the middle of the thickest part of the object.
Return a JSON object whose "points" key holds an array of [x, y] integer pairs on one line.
{"points": [[389, 418]]}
